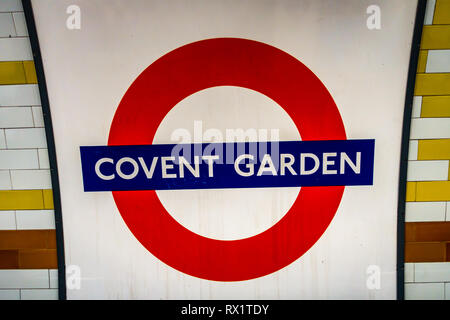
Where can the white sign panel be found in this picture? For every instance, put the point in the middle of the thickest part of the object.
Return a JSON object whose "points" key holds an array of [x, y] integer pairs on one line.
{"points": [[228, 149]]}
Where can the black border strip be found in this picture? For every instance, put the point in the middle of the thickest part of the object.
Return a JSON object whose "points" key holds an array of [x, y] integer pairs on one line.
{"points": [[413, 62], [29, 17]]}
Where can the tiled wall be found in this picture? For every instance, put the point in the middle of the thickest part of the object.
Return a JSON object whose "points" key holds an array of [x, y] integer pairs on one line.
{"points": [[427, 234], [27, 237]]}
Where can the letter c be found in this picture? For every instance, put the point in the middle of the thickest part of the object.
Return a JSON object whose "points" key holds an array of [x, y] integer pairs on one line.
{"points": [[97, 169]]}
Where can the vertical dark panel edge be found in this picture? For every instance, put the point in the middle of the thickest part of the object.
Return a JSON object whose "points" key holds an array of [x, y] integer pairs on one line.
{"points": [[413, 62], [29, 17]]}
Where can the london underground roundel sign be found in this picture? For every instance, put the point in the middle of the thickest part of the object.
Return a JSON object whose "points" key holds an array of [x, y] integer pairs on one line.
{"points": [[130, 165]]}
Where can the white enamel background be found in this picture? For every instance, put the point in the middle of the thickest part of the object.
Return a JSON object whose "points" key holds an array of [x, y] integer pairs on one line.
{"points": [[89, 70]]}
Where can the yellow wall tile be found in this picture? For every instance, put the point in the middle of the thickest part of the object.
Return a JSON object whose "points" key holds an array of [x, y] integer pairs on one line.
{"points": [[410, 191], [436, 149], [30, 72], [435, 107], [429, 84], [48, 199], [442, 12], [422, 63], [435, 37], [12, 72], [433, 191], [21, 200]]}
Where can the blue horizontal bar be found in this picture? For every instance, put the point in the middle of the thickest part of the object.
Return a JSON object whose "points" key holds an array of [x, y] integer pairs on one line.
{"points": [[219, 165]]}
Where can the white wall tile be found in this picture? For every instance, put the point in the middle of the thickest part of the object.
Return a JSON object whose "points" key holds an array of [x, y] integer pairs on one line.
{"points": [[39, 294], [438, 61], [432, 272], [15, 49], [20, 24], [43, 159], [5, 180], [16, 117], [424, 291], [53, 273], [409, 272], [447, 212], [7, 25], [25, 138], [31, 179], [447, 291], [38, 117], [2, 139], [24, 278], [9, 294], [430, 128], [413, 149], [19, 95], [7, 220], [425, 211], [19, 159], [10, 5], [429, 170], [417, 106], [429, 12], [35, 219]]}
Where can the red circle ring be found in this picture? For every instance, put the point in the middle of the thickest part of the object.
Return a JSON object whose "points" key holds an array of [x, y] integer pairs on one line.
{"points": [[227, 62]]}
